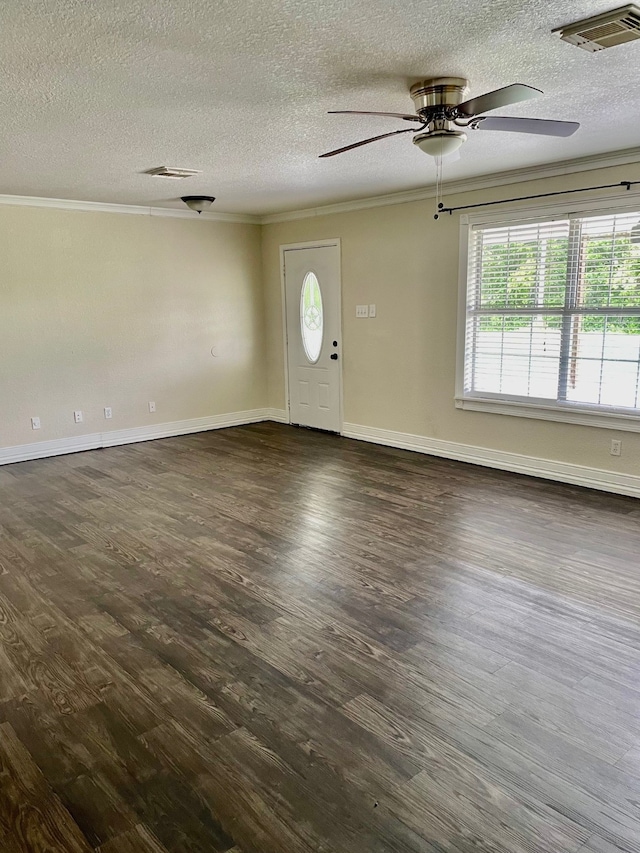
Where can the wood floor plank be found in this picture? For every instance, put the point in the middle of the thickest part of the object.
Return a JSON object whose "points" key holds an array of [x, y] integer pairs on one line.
{"points": [[265, 639], [598, 845], [102, 803], [451, 772], [32, 818], [451, 805], [288, 803], [612, 785], [596, 725], [630, 762], [527, 769], [138, 840]]}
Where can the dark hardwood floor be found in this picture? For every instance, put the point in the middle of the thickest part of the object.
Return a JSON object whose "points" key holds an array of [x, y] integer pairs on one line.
{"points": [[271, 640]]}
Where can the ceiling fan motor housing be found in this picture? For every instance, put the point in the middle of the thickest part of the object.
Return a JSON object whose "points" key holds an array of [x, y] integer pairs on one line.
{"points": [[434, 97], [434, 101]]}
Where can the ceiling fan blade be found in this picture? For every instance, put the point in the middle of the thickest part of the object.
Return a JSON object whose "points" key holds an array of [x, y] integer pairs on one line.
{"points": [[544, 127], [498, 98], [366, 141], [405, 116]]}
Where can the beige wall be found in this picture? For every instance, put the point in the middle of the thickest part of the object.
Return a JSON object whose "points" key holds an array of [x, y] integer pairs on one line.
{"points": [[102, 309], [399, 369]]}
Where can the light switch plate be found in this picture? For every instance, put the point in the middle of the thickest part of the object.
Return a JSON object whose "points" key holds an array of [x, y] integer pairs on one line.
{"points": [[362, 310], [372, 310]]}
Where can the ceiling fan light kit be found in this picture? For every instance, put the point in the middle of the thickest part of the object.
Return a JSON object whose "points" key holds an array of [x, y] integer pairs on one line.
{"points": [[443, 114], [440, 143]]}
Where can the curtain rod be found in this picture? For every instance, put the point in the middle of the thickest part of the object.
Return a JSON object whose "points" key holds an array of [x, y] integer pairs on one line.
{"points": [[450, 210]]}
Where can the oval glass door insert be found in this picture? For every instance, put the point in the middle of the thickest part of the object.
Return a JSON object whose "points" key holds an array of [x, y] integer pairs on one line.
{"points": [[311, 317]]}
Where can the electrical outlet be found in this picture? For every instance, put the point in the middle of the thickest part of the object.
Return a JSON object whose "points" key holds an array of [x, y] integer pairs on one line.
{"points": [[77, 416], [152, 406], [107, 412], [616, 447], [372, 310], [35, 423], [362, 310]]}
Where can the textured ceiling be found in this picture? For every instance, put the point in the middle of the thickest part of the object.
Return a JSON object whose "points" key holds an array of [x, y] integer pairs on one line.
{"points": [[96, 91]]}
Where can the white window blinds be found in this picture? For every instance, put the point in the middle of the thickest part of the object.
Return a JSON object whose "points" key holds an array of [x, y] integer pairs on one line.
{"points": [[553, 312]]}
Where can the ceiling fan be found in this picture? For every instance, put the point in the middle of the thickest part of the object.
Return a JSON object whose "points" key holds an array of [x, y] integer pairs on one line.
{"points": [[441, 112]]}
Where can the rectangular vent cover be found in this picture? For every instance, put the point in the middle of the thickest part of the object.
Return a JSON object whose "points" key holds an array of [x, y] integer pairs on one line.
{"points": [[172, 172], [607, 30]]}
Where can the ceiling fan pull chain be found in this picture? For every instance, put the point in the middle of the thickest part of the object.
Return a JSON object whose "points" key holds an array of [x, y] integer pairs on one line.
{"points": [[438, 181]]}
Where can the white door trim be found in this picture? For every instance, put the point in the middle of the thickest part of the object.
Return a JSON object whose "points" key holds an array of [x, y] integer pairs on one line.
{"points": [[311, 244]]}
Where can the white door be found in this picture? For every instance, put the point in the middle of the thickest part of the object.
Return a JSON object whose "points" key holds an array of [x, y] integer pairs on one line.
{"points": [[312, 297]]}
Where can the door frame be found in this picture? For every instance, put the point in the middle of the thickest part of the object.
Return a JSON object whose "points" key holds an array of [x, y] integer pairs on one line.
{"points": [[310, 244]]}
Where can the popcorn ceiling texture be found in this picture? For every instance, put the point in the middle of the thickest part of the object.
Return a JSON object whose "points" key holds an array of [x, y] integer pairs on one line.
{"points": [[96, 91]]}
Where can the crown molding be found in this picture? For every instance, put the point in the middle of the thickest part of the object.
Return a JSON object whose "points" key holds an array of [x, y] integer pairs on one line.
{"points": [[130, 209], [515, 176]]}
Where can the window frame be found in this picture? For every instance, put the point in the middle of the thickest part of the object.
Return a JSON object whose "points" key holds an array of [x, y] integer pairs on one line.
{"points": [[608, 417]]}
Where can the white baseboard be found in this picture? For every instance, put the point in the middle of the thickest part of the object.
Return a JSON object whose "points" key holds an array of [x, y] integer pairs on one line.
{"points": [[280, 416], [578, 475], [111, 438]]}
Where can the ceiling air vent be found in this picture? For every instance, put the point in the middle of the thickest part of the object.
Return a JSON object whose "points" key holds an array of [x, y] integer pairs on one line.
{"points": [[172, 172], [602, 31]]}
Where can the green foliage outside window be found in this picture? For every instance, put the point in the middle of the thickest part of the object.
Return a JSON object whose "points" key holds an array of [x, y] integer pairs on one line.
{"points": [[534, 273]]}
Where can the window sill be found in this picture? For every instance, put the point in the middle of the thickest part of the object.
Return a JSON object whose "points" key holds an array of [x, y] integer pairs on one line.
{"points": [[568, 415]]}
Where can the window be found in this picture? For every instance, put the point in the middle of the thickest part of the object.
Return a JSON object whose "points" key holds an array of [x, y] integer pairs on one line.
{"points": [[311, 317], [553, 315]]}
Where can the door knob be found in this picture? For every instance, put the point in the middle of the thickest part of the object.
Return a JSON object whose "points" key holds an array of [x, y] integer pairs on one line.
{"points": [[334, 356]]}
